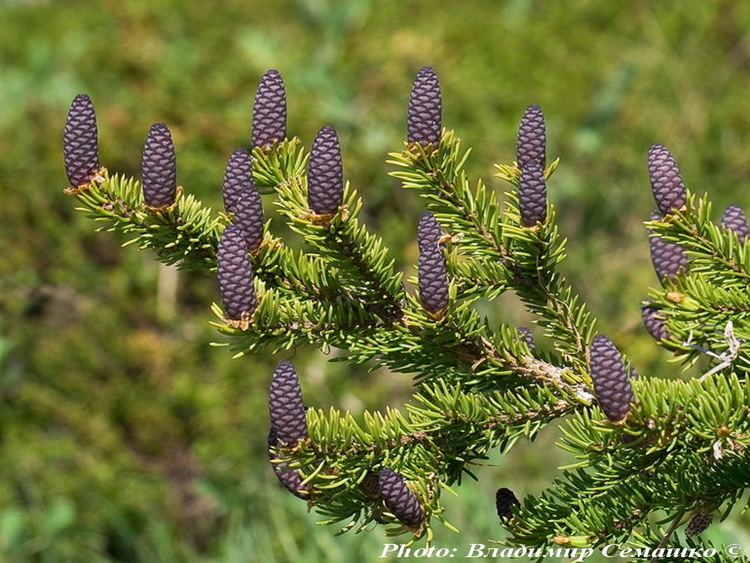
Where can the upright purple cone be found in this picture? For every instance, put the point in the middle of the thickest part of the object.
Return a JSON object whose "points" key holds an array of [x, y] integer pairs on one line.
{"points": [[428, 231], [666, 182], [325, 174], [238, 176], [532, 195], [654, 322], [399, 499], [734, 219], [611, 380], [433, 279], [159, 168], [269, 111], [505, 502], [532, 139], [80, 143], [668, 258], [289, 478], [235, 276], [424, 116], [288, 420]]}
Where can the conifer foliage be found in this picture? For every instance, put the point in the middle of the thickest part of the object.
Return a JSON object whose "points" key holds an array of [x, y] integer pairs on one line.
{"points": [[641, 445]]}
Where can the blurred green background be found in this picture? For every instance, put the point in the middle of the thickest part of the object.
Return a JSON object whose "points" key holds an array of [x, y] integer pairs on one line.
{"points": [[123, 435]]}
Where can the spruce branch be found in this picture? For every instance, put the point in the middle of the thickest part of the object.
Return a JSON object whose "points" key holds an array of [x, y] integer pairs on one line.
{"points": [[642, 446], [604, 496]]}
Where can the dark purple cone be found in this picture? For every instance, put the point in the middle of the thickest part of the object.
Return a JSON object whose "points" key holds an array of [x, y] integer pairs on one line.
{"points": [[235, 275], [290, 478], [668, 258], [505, 501], [269, 111], [666, 182], [611, 381], [532, 195], [433, 279], [428, 231], [248, 217], [527, 336], [80, 144], [325, 175], [734, 219], [423, 118], [698, 524], [285, 405], [655, 325], [532, 139], [399, 499], [238, 176], [159, 168]]}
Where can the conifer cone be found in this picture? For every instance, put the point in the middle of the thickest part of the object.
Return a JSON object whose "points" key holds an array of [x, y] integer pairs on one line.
{"points": [[433, 279], [669, 259], [235, 276], [666, 182], [159, 168], [399, 499], [734, 219], [249, 217], [699, 523], [325, 175], [238, 176], [80, 143], [285, 405], [423, 119], [532, 195], [655, 325], [505, 501], [428, 231], [611, 381], [527, 336], [290, 478], [269, 111], [531, 147]]}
